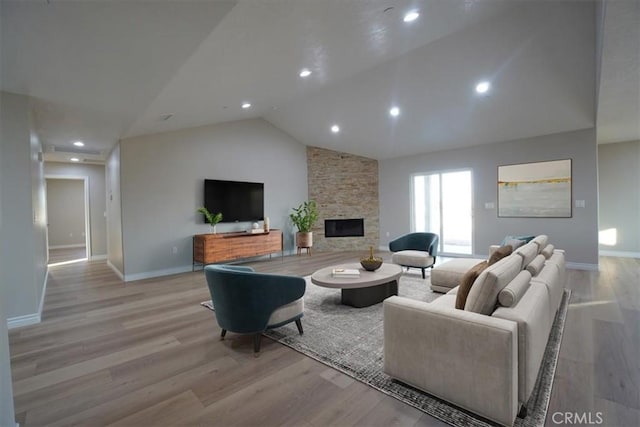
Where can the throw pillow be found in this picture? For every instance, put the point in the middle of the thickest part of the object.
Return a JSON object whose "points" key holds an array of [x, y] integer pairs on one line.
{"points": [[467, 281], [500, 253], [514, 243]]}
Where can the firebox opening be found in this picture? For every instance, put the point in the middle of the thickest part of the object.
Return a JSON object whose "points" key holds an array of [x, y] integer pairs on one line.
{"points": [[344, 227]]}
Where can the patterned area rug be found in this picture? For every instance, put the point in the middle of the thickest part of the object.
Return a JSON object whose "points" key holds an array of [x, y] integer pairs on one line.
{"points": [[350, 340]]}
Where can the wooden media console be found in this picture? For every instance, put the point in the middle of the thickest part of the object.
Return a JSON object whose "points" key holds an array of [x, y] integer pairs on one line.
{"points": [[221, 247]]}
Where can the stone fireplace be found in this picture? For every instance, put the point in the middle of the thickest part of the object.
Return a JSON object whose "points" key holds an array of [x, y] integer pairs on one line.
{"points": [[345, 187]]}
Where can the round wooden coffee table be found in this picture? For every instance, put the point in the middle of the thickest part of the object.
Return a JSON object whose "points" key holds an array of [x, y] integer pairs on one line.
{"points": [[371, 287]]}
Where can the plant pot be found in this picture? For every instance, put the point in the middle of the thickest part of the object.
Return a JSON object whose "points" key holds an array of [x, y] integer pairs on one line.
{"points": [[304, 239]]}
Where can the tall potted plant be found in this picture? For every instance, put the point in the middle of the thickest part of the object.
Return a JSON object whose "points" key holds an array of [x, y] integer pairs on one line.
{"points": [[212, 219], [304, 217]]}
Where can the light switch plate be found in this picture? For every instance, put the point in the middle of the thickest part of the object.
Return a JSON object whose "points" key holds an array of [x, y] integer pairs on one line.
{"points": [[489, 205], [579, 203]]}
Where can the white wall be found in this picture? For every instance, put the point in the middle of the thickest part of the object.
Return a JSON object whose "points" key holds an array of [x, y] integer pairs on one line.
{"points": [[115, 255], [619, 183], [23, 254], [577, 235], [65, 212], [162, 180], [97, 199]]}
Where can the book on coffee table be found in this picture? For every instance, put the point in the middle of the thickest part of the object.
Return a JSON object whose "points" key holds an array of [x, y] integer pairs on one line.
{"points": [[346, 272]]}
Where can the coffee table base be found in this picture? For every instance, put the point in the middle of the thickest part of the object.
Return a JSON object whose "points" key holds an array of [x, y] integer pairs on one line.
{"points": [[364, 297]]}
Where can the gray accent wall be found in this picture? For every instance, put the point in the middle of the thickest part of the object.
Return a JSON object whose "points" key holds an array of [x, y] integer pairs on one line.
{"points": [[97, 199], [162, 184], [23, 255], [577, 235], [619, 181]]}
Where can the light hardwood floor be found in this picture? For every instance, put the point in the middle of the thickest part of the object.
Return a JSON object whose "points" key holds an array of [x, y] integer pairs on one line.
{"points": [[67, 254], [145, 353]]}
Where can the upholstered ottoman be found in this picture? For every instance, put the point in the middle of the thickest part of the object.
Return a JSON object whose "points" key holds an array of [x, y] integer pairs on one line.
{"points": [[448, 275]]}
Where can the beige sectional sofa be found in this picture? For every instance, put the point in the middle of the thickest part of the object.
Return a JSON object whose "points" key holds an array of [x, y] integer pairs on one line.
{"points": [[486, 357]]}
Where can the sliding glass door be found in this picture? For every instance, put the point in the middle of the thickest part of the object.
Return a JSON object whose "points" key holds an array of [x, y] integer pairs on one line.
{"points": [[441, 204]]}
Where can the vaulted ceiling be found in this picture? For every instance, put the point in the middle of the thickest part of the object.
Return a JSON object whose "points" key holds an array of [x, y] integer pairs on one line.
{"points": [[102, 71]]}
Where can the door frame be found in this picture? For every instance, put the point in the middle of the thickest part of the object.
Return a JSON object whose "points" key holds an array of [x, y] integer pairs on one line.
{"points": [[412, 208]]}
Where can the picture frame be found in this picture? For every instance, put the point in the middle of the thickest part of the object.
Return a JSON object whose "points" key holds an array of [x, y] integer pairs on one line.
{"points": [[535, 190]]}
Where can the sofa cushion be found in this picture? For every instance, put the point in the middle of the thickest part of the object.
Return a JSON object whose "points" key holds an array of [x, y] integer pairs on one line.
{"points": [[483, 296], [534, 321], [448, 275], [525, 239], [541, 240], [549, 277], [547, 251], [500, 253], [448, 301], [558, 260], [412, 258], [536, 265], [527, 253], [286, 312], [467, 281], [511, 294]]}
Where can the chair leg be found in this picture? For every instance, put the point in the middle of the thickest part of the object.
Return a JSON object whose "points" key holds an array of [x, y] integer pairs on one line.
{"points": [[256, 342], [523, 412], [223, 333], [299, 325], [423, 276]]}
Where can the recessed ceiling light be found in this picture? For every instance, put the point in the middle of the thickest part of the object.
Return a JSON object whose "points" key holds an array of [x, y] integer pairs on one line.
{"points": [[246, 105], [394, 111], [305, 72], [335, 128], [74, 159], [483, 87], [411, 16], [79, 144]]}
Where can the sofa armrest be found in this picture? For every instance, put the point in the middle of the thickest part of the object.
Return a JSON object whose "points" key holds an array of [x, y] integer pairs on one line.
{"points": [[466, 358]]}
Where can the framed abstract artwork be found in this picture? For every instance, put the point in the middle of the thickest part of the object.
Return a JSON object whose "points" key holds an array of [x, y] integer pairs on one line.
{"points": [[535, 190]]}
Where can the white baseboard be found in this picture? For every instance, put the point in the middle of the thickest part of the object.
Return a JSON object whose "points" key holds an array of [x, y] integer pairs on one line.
{"points": [[157, 273], [115, 270], [98, 257], [583, 266], [621, 254], [76, 245], [26, 320], [44, 291], [34, 318]]}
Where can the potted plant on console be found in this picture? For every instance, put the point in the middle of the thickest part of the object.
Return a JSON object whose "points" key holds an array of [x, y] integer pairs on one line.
{"points": [[304, 217], [212, 219]]}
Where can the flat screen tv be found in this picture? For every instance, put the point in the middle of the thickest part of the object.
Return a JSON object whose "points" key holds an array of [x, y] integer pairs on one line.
{"points": [[238, 201]]}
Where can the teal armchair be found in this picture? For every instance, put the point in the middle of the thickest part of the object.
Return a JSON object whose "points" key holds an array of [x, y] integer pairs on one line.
{"points": [[415, 250], [248, 302]]}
